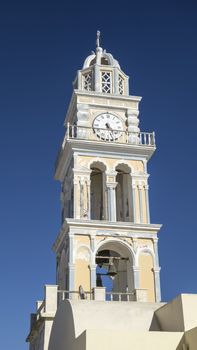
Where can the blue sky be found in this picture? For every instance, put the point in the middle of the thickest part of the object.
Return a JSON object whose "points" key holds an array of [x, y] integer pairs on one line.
{"points": [[43, 43]]}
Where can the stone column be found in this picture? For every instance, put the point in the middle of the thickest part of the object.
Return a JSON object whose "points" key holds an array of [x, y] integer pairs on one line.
{"points": [[133, 130], [147, 204], [111, 191]]}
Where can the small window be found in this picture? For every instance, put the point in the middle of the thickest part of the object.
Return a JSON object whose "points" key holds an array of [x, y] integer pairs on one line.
{"points": [[87, 81], [121, 85], [106, 82]]}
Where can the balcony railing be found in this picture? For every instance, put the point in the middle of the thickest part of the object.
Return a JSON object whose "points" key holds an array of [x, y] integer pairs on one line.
{"points": [[112, 136], [87, 295]]}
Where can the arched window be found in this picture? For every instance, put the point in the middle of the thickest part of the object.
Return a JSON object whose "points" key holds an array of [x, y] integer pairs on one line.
{"points": [[123, 193], [97, 191]]}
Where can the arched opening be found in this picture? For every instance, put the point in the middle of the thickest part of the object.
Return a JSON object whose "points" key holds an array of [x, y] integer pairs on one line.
{"points": [[123, 193], [104, 61], [97, 191], [115, 271]]}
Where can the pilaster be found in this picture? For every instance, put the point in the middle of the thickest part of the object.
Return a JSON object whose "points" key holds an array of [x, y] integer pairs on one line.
{"points": [[140, 189], [93, 275], [147, 203], [133, 130], [82, 120], [111, 190], [71, 264], [136, 277], [134, 201]]}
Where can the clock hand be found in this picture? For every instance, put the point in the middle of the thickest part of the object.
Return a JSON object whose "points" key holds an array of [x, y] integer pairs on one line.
{"points": [[108, 126]]}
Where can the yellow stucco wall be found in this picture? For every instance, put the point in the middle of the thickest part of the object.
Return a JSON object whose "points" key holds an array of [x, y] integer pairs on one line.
{"points": [[146, 275], [83, 261], [111, 163], [82, 274]]}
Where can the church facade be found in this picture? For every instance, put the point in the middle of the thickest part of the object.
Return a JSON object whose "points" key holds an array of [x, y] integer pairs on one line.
{"points": [[107, 293]]}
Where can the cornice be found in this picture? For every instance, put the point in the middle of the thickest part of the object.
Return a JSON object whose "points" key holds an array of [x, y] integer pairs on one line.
{"points": [[71, 227], [99, 148]]}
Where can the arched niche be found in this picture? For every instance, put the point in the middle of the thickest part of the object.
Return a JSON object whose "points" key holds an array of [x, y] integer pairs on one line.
{"points": [[123, 193], [97, 191], [114, 256], [146, 273], [82, 271]]}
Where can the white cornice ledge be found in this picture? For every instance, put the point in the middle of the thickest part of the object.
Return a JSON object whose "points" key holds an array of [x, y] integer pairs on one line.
{"points": [[110, 224], [97, 227]]}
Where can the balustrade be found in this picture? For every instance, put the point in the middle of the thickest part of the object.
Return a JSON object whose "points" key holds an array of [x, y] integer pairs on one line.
{"points": [[117, 136]]}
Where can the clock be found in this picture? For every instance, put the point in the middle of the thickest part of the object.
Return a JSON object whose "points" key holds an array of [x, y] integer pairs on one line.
{"points": [[107, 126]]}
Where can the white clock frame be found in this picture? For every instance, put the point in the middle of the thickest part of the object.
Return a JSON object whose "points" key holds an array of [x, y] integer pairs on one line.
{"points": [[107, 126]]}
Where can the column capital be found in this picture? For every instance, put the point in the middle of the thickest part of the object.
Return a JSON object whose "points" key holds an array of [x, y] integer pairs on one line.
{"points": [[111, 185]]}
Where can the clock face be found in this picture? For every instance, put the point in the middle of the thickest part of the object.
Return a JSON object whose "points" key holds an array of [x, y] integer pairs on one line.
{"points": [[107, 126]]}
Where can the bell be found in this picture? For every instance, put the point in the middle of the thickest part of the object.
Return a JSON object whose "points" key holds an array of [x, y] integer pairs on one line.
{"points": [[112, 269]]}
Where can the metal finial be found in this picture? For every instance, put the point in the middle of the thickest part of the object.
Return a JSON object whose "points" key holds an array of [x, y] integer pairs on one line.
{"points": [[98, 33]]}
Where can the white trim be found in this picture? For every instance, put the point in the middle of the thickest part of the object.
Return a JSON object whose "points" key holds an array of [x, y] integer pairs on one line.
{"points": [[98, 228]]}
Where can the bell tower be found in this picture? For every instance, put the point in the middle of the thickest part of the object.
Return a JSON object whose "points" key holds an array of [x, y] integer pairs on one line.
{"points": [[106, 239]]}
